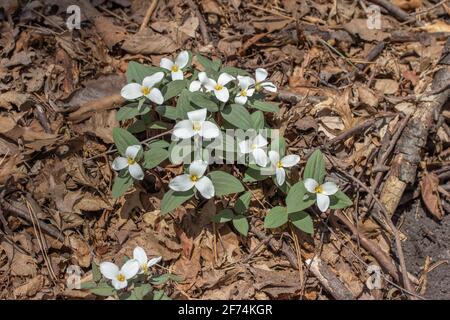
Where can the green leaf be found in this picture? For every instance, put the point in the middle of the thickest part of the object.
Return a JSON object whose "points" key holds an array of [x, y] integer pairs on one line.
{"points": [[141, 291], [164, 278], [154, 157], [224, 183], [88, 285], [241, 224], [235, 71], [258, 119], [276, 217], [243, 202], [253, 175], [136, 72], [224, 215], [104, 290], [315, 167], [168, 112], [184, 104], [121, 185], [202, 100], [123, 139], [158, 144], [238, 116], [303, 221], [96, 274], [208, 64], [265, 106], [340, 200], [131, 111], [174, 88], [298, 198], [174, 199]]}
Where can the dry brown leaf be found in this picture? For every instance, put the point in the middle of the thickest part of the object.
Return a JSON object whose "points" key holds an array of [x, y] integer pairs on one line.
{"points": [[437, 26], [81, 251], [386, 86], [430, 195], [29, 288], [359, 27], [11, 98], [407, 4], [110, 33], [149, 42]]}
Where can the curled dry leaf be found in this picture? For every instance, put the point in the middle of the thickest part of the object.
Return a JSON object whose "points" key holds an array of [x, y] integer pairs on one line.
{"points": [[149, 42], [30, 288], [430, 195]]}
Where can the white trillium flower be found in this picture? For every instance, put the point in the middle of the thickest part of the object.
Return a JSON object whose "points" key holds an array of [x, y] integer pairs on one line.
{"points": [[322, 191], [119, 277], [134, 168], [261, 75], [255, 148], [176, 67], [134, 91], [220, 91], [244, 92], [200, 84], [196, 125], [140, 256], [280, 165], [196, 179]]}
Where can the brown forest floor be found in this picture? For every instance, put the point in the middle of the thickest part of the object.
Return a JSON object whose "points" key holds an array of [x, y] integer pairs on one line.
{"points": [[362, 95]]}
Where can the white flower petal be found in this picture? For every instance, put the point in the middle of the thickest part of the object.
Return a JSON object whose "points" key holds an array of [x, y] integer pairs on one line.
{"points": [[197, 115], [198, 168], [240, 99], [269, 86], [136, 171], [155, 96], [280, 174], [260, 141], [250, 92], [260, 157], [181, 183], [244, 146], [130, 268], [245, 82], [290, 160], [323, 202], [222, 95], [274, 157], [166, 63], [182, 60], [150, 81], [177, 75], [183, 129], [195, 86], [131, 91], [224, 78], [260, 74], [203, 77], [109, 270], [311, 185], [205, 187], [209, 130], [140, 255], [210, 84], [132, 151], [119, 163], [118, 285], [329, 188], [153, 261]]}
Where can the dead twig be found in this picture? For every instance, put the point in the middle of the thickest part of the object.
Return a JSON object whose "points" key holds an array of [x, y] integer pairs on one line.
{"points": [[148, 15], [203, 27]]}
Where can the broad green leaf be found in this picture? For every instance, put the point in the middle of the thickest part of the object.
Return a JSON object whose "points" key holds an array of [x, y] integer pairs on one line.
{"points": [[241, 224], [88, 285], [265, 106], [104, 290], [298, 198], [96, 274], [238, 116], [168, 112], [208, 64], [257, 119], [276, 217], [136, 72], [184, 104], [154, 157], [174, 199], [164, 278], [224, 215], [303, 221], [253, 175], [174, 88], [137, 126], [243, 202], [123, 139], [235, 71], [224, 183], [279, 145], [160, 295], [340, 200], [131, 111], [202, 100], [121, 185], [141, 290], [158, 144], [315, 167]]}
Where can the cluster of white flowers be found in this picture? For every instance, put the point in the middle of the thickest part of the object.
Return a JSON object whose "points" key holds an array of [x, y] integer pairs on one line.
{"points": [[138, 265]]}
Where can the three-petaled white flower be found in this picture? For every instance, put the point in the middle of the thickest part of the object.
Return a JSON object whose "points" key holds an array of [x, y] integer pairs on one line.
{"points": [[255, 148], [322, 191], [196, 124], [196, 179], [220, 91], [119, 277], [199, 84], [244, 91], [140, 256], [176, 67], [279, 165], [260, 76], [134, 91], [134, 168]]}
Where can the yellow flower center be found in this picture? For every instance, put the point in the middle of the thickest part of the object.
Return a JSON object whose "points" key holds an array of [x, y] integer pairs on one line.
{"points": [[218, 87], [196, 126], [175, 68], [194, 178], [120, 278], [279, 165], [258, 87], [145, 90], [131, 161], [253, 146], [318, 189], [244, 93], [144, 267]]}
